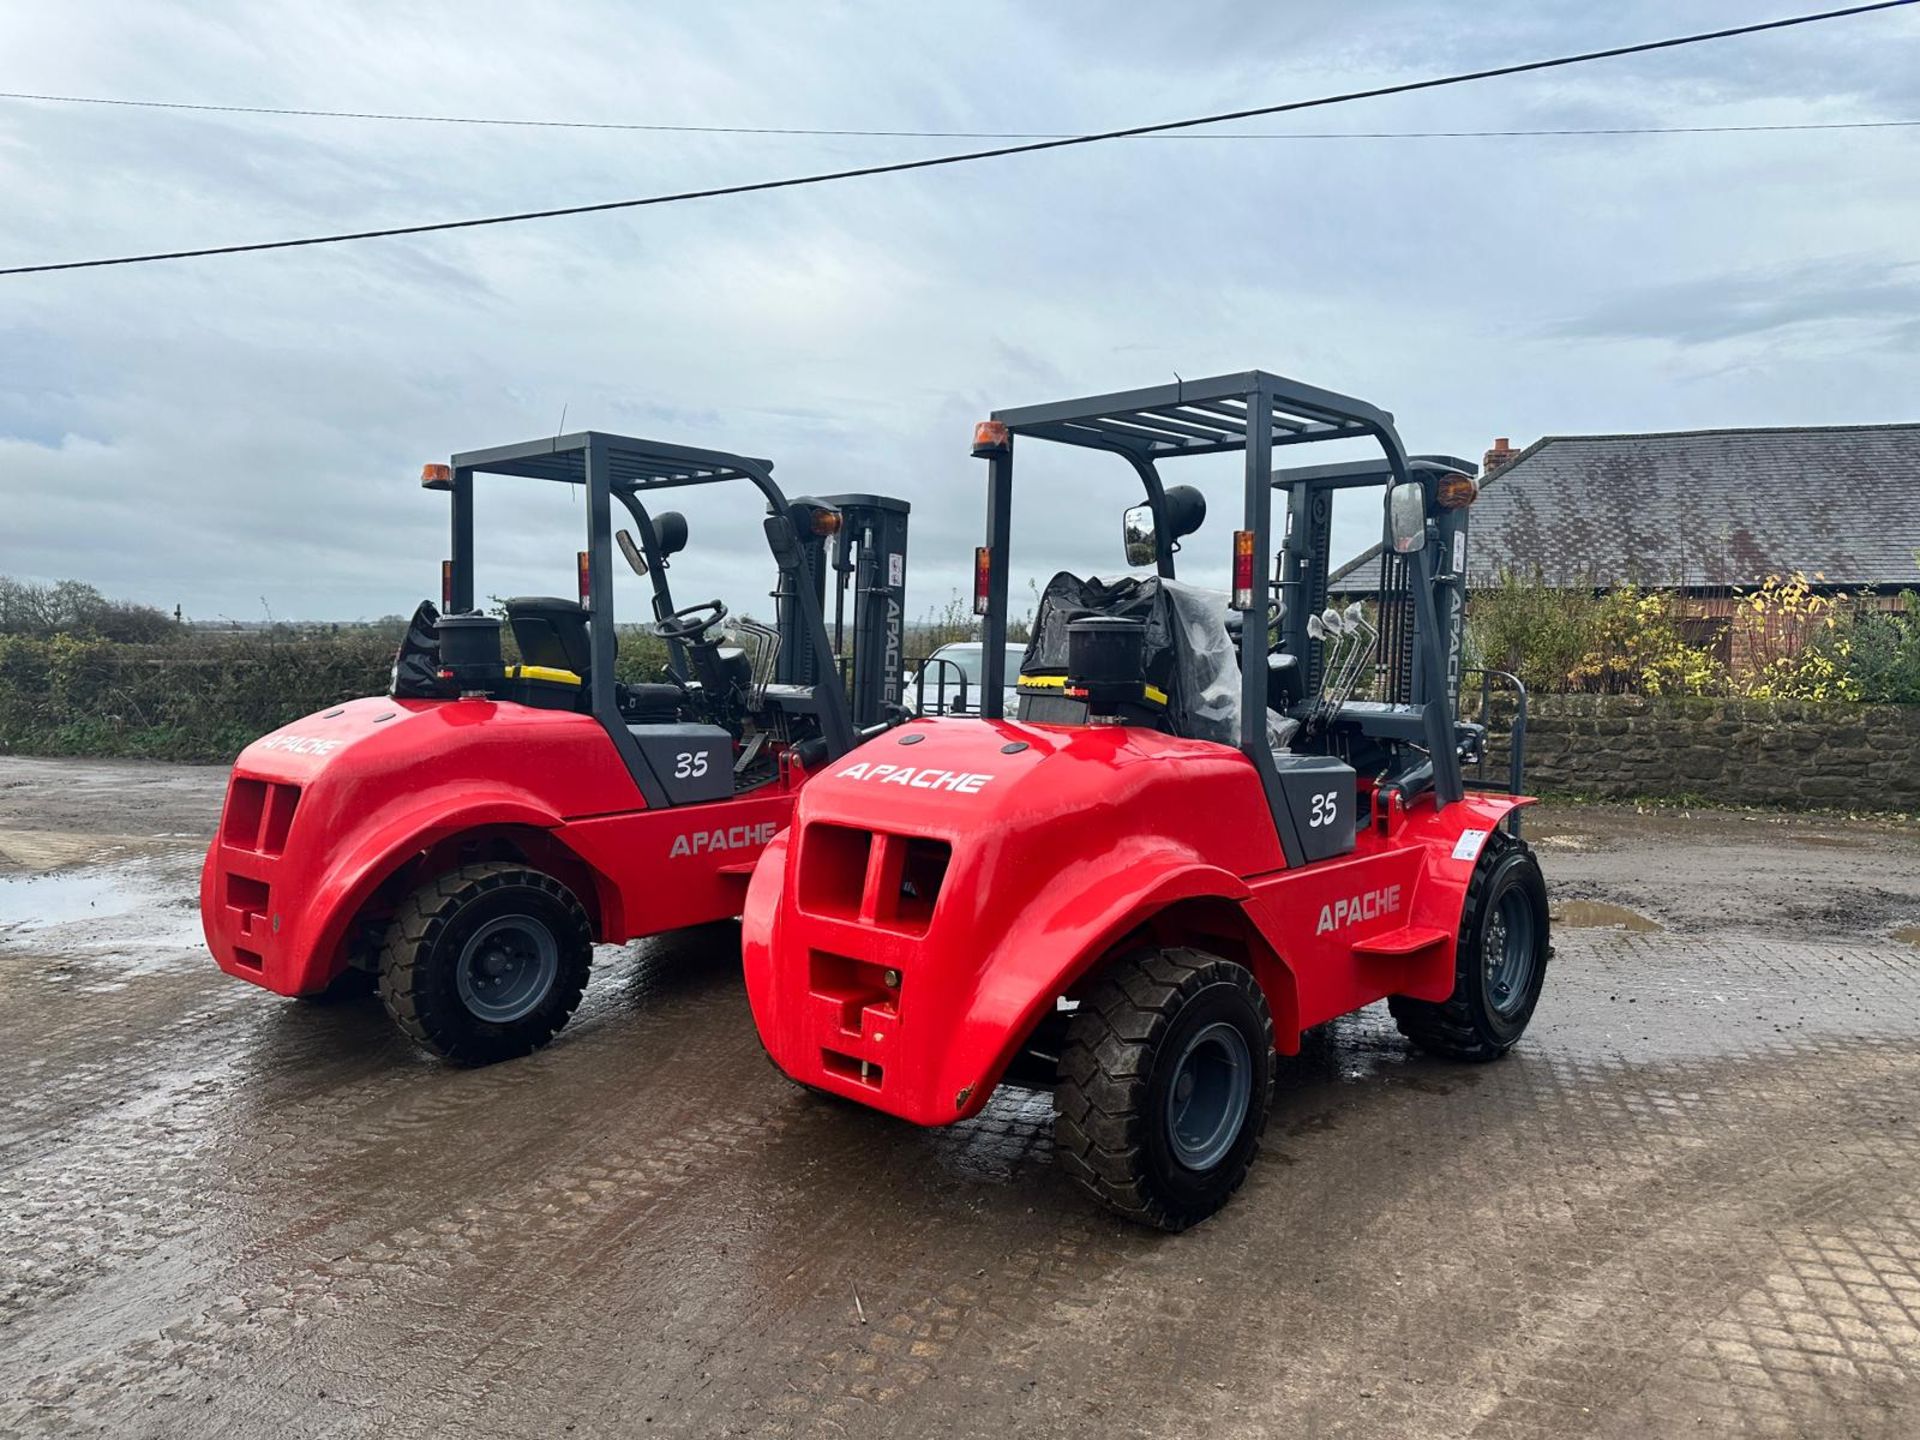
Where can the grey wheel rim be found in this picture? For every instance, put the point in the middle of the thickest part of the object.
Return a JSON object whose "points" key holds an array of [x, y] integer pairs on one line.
{"points": [[1508, 952], [506, 968], [1209, 1095]]}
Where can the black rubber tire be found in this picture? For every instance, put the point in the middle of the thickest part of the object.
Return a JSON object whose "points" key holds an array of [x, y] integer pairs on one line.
{"points": [[1466, 1025], [423, 944], [1122, 1048]]}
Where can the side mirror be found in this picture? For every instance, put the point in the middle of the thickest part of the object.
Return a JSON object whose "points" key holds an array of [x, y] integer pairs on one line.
{"points": [[1407, 517], [630, 552], [1137, 535]]}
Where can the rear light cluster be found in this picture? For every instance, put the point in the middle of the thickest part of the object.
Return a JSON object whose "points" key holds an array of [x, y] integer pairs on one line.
{"points": [[1243, 570], [259, 816]]}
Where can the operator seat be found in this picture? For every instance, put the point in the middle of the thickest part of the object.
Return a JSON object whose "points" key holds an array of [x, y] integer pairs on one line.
{"points": [[550, 632]]}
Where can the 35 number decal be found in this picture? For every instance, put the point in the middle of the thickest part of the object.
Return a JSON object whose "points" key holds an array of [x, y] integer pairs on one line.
{"points": [[1326, 809], [689, 764]]}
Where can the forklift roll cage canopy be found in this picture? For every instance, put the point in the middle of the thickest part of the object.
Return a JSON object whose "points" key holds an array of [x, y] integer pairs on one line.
{"points": [[620, 466], [1256, 413]]}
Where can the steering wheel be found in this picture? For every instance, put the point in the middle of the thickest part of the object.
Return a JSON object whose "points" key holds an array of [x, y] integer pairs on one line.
{"points": [[691, 623]]}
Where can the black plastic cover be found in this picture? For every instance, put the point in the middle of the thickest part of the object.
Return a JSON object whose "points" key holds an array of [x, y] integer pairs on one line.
{"points": [[1068, 598], [1319, 791], [694, 762], [1104, 660], [470, 649]]}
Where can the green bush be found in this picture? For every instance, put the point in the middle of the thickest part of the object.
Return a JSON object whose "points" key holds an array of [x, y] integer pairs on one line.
{"points": [[1625, 641], [1530, 629], [204, 695], [1791, 641], [640, 657], [1879, 651], [199, 697]]}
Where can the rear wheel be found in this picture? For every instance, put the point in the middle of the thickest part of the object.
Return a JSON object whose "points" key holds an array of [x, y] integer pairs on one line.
{"points": [[1164, 1086], [486, 962], [1500, 962]]}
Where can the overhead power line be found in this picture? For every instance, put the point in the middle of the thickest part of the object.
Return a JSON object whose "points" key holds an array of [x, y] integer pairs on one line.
{"points": [[517, 122], [966, 157]]}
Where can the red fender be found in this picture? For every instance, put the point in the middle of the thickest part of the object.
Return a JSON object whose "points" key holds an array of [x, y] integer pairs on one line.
{"points": [[302, 950], [1020, 980], [991, 1007]]}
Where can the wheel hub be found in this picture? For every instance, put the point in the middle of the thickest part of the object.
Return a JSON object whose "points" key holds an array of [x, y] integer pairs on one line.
{"points": [[1507, 952], [1208, 1100], [506, 968]]}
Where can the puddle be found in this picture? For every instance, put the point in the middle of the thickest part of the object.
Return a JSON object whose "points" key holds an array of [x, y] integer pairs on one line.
{"points": [[39, 902], [141, 913], [1592, 914]]}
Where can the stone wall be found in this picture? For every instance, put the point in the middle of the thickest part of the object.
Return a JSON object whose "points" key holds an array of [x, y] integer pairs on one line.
{"points": [[1733, 752]]}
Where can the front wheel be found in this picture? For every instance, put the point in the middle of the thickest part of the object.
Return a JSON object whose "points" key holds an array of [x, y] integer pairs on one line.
{"points": [[1165, 1081], [486, 962], [1500, 961]]}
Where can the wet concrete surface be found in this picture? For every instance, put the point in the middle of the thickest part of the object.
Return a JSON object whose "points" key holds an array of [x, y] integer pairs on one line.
{"points": [[1688, 1203]]}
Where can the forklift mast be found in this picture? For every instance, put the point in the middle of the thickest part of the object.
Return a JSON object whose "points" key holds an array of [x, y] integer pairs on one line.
{"points": [[868, 553]]}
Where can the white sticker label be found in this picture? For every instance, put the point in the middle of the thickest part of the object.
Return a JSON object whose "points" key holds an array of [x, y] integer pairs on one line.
{"points": [[739, 837], [1369, 905], [896, 570], [301, 744], [960, 782], [1459, 552], [1469, 843]]}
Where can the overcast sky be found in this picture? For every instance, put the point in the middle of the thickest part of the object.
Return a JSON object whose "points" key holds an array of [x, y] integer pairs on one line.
{"points": [[232, 433]]}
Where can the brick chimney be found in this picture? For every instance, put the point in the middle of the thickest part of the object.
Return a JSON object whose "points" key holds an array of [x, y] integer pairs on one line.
{"points": [[1499, 455]]}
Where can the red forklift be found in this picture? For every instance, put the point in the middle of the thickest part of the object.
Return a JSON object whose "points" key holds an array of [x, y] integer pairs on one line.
{"points": [[467, 838], [1196, 840]]}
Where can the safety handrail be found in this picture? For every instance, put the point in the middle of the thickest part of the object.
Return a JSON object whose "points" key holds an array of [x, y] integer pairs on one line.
{"points": [[920, 687], [1517, 743]]}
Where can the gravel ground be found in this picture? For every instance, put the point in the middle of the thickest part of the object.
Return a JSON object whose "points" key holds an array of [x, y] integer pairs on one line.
{"points": [[1688, 1203]]}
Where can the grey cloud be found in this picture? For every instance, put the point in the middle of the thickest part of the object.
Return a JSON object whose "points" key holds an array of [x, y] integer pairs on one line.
{"points": [[215, 432], [1875, 297]]}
